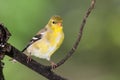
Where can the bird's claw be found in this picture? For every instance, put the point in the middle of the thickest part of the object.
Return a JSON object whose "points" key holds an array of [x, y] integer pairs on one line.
{"points": [[29, 59], [53, 65]]}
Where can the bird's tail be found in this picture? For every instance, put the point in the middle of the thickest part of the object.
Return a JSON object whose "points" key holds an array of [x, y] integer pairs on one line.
{"points": [[24, 49]]}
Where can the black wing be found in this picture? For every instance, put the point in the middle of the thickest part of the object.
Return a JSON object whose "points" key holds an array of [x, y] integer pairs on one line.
{"points": [[34, 39]]}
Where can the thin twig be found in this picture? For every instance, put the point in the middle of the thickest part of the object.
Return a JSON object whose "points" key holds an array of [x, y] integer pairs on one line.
{"points": [[69, 54]]}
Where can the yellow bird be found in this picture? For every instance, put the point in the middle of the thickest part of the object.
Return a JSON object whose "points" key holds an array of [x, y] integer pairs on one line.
{"points": [[47, 40]]}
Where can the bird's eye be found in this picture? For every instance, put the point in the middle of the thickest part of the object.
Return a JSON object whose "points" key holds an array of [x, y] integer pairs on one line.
{"points": [[54, 22]]}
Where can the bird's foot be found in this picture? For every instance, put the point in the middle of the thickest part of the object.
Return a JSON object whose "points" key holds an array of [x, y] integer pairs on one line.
{"points": [[29, 59], [53, 65]]}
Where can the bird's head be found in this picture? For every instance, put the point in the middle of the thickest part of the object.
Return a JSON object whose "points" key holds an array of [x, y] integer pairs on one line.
{"points": [[55, 22]]}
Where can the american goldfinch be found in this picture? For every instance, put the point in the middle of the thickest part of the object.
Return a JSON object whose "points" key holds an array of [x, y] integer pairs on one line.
{"points": [[47, 40]]}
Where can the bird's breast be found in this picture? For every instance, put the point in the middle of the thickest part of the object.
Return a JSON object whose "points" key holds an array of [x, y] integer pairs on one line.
{"points": [[46, 46], [54, 38]]}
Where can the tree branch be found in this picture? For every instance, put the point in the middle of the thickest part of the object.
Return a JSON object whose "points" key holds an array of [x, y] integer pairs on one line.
{"points": [[1, 70], [4, 36], [37, 67]]}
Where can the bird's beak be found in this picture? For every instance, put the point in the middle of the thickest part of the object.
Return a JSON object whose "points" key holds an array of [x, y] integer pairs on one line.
{"points": [[59, 24]]}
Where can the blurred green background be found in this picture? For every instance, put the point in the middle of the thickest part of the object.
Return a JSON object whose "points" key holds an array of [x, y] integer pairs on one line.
{"points": [[98, 55]]}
